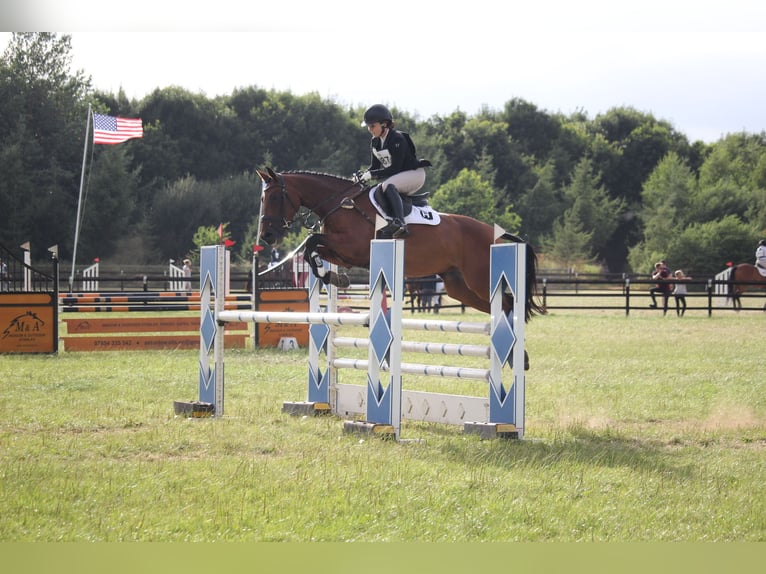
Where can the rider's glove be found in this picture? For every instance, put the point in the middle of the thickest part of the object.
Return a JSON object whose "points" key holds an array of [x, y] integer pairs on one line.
{"points": [[362, 176]]}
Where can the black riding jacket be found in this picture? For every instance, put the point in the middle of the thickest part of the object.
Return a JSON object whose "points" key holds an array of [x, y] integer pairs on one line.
{"points": [[395, 154]]}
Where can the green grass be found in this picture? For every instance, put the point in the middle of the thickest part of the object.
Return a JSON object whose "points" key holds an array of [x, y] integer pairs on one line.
{"points": [[638, 429]]}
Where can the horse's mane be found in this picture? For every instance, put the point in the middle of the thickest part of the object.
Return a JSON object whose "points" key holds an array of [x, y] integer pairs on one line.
{"points": [[305, 172]]}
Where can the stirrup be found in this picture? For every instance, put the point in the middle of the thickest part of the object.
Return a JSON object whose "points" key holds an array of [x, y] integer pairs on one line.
{"points": [[399, 229]]}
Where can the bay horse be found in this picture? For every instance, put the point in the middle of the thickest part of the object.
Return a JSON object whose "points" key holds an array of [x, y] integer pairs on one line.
{"points": [[744, 277], [457, 249]]}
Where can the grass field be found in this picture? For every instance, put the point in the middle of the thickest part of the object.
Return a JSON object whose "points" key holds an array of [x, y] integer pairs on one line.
{"points": [[645, 428]]}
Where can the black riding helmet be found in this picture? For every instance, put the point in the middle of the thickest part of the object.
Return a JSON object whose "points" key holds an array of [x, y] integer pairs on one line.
{"points": [[377, 114]]}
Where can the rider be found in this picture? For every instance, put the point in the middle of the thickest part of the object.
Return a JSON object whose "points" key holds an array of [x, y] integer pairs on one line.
{"points": [[760, 254], [394, 161]]}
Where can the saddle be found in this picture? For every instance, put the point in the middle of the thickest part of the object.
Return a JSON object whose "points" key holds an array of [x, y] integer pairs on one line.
{"points": [[419, 199]]}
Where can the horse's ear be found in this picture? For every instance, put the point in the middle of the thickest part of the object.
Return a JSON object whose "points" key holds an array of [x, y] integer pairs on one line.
{"points": [[271, 173], [264, 177]]}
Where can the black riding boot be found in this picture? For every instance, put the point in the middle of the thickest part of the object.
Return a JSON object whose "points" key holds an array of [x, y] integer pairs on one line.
{"points": [[397, 226]]}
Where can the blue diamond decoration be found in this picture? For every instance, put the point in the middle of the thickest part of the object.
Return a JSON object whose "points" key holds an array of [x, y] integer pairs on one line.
{"points": [[208, 266], [319, 334], [502, 266], [208, 329], [319, 386], [378, 402], [503, 339], [381, 338], [382, 263], [207, 385]]}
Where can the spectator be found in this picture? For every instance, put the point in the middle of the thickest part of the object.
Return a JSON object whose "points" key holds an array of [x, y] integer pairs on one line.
{"points": [[187, 273], [760, 254], [679, 292], [661, 275], [3, 275], [274, 258]]}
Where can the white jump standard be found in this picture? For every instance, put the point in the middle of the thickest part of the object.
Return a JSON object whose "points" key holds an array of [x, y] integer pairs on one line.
{"points": [[383, 403]]}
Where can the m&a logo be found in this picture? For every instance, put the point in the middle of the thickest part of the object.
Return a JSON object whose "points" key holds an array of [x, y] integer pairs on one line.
{"points": [[26, 324]]}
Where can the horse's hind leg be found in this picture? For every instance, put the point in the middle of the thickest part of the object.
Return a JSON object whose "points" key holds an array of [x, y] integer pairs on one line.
{"points": [[457, 288]]}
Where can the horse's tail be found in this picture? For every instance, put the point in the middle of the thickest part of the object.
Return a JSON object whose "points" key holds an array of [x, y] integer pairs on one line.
{"points": [[533, 306]]}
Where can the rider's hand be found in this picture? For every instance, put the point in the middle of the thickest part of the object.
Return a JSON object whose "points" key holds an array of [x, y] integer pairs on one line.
{"points": [[361, 176]]}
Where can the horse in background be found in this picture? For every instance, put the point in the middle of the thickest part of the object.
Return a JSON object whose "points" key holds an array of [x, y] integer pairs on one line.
{"points": [[744, 277]]}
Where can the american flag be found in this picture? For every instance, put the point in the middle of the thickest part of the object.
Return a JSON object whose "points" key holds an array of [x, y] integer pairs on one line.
{"points": [[112, 130]]}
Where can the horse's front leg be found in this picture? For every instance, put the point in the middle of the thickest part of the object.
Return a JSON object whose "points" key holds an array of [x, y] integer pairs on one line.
{"points": [[312, 256]]}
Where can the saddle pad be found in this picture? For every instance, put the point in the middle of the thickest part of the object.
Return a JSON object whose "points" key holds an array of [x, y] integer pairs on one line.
{"points": [[425, 215]]}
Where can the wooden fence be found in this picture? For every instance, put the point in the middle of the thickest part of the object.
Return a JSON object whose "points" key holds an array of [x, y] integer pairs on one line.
{"points": [[631, 294]]}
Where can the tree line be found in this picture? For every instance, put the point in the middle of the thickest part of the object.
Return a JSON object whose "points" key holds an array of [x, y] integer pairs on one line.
{"points": [[620, 190]]}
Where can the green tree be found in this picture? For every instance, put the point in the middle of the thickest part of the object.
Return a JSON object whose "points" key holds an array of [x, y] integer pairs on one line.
{"points": [[706, 248], [207, 235], [108, 205], [535, 131], [569, 244], [42, 124], [468, 194], [188, 204], [591, 205], [665, 198], [541, 205], [730, 178]]}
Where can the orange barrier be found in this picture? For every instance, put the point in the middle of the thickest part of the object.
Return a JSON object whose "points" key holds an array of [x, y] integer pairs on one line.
{"points": [[139, 325], [290, 300], [89, 334], [28, 323], [145, 342], [105, 302]]}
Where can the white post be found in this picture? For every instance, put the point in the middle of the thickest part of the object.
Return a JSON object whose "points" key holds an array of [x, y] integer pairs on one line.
{"points": [[27, 265], [79, 201]]}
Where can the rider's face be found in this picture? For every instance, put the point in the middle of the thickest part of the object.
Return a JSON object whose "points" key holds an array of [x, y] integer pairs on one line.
{"points": [[375, 129]]}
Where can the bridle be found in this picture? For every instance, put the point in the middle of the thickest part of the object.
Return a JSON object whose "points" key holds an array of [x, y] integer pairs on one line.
{"points": [[282, 222]]}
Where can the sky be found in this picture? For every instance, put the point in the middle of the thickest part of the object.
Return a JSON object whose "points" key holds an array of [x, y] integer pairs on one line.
{"points": [[699, 65]]}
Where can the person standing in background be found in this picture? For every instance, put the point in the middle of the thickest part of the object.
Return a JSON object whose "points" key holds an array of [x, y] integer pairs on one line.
{"points": [[187, 273], [679, 292]]}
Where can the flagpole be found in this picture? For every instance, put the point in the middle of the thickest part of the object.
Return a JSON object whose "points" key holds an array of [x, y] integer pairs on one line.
{"points": [[79, 201]]}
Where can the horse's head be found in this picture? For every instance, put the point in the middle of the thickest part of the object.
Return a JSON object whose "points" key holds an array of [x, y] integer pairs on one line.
{"points": [[278, 208]]}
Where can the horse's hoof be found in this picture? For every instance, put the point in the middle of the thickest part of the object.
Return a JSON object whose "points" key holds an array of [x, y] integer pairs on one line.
{"points": [[340, 280], [526, 361]]}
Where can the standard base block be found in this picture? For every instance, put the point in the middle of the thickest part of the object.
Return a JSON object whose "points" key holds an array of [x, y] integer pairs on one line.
{"points": [[194, 409], [363, 427], [306, 409], [491, 430]]}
